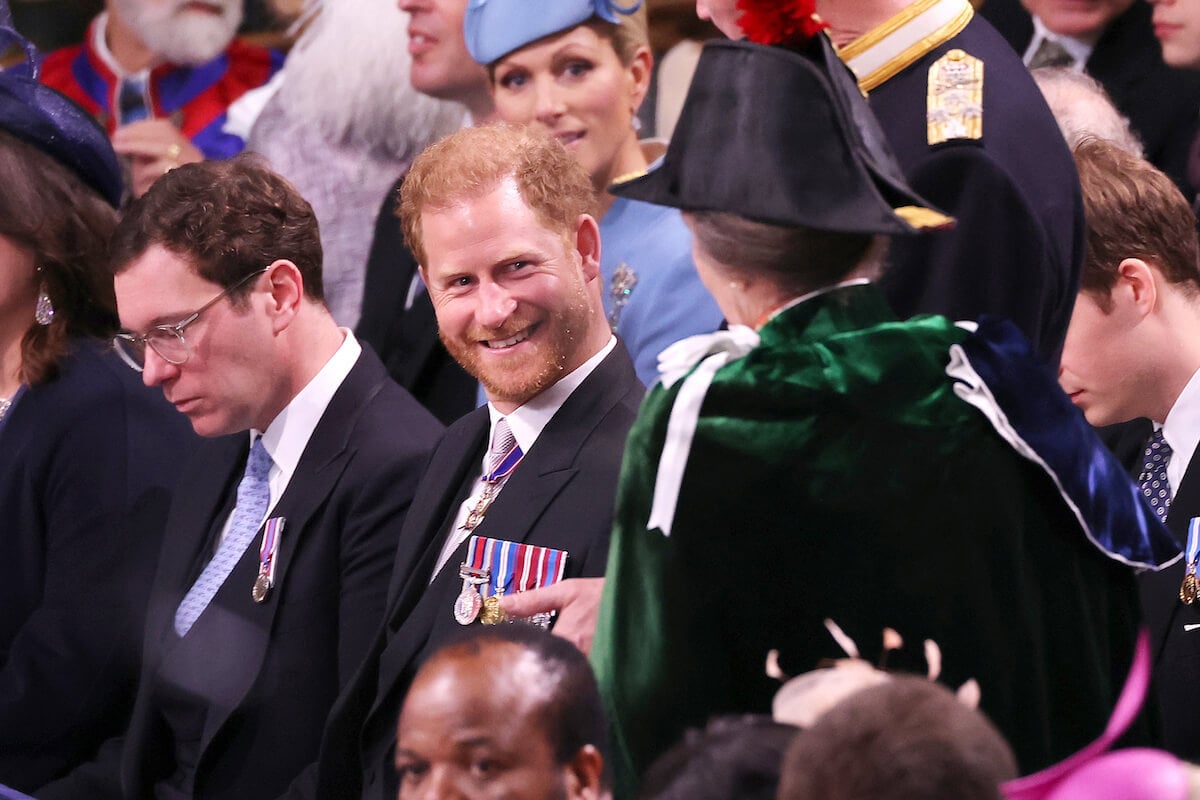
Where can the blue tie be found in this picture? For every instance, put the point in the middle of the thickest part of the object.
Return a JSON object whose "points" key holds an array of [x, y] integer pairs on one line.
{"points": [[1154, 475], [131, 100], [253, 494]]}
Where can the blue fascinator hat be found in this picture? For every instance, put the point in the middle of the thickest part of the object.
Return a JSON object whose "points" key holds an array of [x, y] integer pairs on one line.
{"points": [[494, 28], [49, 121]]}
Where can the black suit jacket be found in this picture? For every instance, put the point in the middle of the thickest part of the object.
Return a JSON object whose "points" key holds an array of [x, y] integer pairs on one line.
{"points": [[86, 465], [1159, 101], [1017, 247], [560, 496], [265, 675], [1176, 649], [406, 338]]}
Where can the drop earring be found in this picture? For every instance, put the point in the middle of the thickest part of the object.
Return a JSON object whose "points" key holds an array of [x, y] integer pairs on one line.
{"points": [[44, 313]]}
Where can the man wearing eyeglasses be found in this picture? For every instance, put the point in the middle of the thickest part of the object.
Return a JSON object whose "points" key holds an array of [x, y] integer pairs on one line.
{"points": [[282, 531]]}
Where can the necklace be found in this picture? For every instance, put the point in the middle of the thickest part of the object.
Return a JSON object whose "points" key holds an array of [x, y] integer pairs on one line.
{"points": [[5, 405]]}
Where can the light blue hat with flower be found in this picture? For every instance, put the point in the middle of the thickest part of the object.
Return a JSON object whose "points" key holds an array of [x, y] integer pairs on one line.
{"points": [[495, 28]]}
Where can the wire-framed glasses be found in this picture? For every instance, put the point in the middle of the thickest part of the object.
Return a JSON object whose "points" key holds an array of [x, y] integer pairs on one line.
{"points": [[168, 340]]}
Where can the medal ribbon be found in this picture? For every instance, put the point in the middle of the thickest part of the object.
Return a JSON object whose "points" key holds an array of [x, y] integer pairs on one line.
{"points": [[1192, 553], [506, 465], [270, 547], [515, 567]]}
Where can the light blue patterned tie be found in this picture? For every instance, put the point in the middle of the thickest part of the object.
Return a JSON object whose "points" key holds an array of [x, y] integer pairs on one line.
{"points": [[1154, 475], [253, 493]]}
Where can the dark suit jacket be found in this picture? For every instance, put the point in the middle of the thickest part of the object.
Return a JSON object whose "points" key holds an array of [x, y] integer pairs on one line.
{"points": [[407, 338], [1161, 103], [86, 465], [1018, 244], [265, 675], [1176, 651], [560, 496]]}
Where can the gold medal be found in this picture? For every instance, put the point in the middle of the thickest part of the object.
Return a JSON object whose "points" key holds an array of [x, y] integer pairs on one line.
{"points": [[262, 587], [1190, 588], [491, 613]]}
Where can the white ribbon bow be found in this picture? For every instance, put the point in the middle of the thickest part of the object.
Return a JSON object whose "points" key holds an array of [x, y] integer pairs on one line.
{"points": [[711, 351]]}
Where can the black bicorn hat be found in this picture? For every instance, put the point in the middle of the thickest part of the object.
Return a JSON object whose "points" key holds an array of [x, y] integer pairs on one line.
{"points": [[783, 134], [51, 122]]}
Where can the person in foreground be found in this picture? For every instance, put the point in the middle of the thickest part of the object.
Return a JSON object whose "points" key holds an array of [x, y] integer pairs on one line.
{"points": [[526, 702], [1133, 353], [519, 494], [85, 450], [822, 459], [278, 544]]}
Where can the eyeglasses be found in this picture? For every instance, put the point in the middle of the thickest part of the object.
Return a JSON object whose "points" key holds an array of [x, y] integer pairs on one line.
{"points": [[167, 340]]}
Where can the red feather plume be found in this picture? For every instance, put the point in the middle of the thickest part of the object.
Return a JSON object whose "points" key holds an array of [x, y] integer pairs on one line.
{"points": [[774, 22]]}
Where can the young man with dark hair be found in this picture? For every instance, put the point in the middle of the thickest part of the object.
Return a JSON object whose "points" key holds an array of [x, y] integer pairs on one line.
{"points": [[1133, 350], [280, 538]]}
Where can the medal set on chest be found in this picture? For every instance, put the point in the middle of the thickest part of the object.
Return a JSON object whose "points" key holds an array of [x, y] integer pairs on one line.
{"points": [[495, 567], [1189, 590]]}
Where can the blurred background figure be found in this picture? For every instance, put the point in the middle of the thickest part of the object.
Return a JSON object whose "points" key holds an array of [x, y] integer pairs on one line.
{"points": [[906, 738], [732, 757], [1083, 109], [397, 318], [342, 122], [160, 76], [580, 69], [1177, 26], [1113, 41], [87, 453]]}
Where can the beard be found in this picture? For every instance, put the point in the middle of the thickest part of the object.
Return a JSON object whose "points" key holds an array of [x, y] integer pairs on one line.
{"points": [[179, 34], [520, 382]]}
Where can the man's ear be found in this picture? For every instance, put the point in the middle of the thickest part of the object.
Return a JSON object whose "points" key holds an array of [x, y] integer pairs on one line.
{"points": [[587, 243], [585, 774], [286, 292], [1137, 286]]}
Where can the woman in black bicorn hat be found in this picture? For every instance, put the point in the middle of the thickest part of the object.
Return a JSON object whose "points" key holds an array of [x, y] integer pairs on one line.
{"points": [[85, 449], [822, 459]]}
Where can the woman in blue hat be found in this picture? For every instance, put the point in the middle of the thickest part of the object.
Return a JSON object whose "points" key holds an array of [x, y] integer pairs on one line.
{"points": [[85, 449], [580, 69]]}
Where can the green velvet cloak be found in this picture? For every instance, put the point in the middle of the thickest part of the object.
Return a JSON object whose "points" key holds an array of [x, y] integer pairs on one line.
{"points": [[834, 473]]}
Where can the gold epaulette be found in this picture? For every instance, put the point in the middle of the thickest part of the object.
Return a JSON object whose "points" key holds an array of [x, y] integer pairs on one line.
{"points": [[954, 104]]}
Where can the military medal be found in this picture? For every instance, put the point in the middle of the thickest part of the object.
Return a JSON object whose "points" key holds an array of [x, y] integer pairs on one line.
{"points": [[495, 567], [492, 481], [267, 552], [469, 602], [491, 614], [1189, 590]]}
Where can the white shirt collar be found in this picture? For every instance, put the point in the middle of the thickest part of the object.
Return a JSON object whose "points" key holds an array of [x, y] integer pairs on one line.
{"points": [[528, 420], [1079, 48], [288, 434], [1182, 431], [100, 45]]}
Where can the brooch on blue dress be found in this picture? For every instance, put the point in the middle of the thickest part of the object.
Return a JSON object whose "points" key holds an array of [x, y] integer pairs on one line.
{"points": [[623, 281]]}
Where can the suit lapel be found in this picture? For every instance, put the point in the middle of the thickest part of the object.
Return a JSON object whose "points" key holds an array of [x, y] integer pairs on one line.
{"points": [[320, 467], [188, 541]]}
